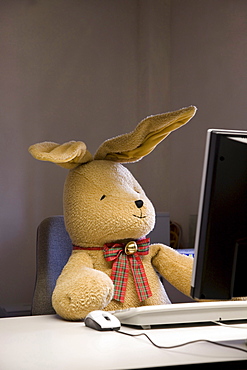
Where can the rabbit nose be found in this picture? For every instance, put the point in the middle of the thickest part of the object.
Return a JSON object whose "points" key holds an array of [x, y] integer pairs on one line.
{"points": [[139, 203]]}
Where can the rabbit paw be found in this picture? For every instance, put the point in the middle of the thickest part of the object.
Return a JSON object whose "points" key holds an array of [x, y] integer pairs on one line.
{"points": [[74, 299]]}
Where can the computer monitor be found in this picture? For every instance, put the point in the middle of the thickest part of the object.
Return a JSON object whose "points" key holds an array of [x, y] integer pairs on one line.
{"points": [[220, 261]]}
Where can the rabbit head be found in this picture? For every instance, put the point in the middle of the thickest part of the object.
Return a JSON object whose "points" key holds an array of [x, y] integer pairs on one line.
{"points": [[103, 202]]}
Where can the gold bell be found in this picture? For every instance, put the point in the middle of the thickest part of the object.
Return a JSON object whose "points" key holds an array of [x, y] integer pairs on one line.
{"points": [[131, 248]]}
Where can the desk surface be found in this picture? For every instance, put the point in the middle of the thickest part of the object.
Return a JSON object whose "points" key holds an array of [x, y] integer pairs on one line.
{"points": [[48, 342]]}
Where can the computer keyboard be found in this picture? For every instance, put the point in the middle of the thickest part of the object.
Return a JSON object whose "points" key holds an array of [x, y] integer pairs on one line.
{"points": [[182, 313]]}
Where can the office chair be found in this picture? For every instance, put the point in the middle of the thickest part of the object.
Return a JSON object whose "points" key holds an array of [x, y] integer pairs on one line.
{"points": [[53, 249]]}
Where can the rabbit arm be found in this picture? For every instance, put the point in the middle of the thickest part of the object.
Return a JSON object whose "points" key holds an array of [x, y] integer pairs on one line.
{"points": [[80, 288], [174, 267]]}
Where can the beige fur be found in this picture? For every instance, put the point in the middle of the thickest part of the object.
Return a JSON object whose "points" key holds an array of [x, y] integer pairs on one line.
{"points": [[99, 207]]}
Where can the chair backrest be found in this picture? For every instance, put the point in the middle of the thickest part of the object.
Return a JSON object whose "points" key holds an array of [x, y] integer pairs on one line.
{"points": [[53, 249]]}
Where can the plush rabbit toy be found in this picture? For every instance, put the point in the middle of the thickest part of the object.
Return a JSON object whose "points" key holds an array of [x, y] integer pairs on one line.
{"points": [[108, 217]]}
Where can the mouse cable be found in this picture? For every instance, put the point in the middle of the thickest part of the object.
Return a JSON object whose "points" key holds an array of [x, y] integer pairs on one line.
{"points": [[183, 344]]}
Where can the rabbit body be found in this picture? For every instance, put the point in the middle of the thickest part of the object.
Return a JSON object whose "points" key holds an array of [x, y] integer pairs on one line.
{"points": [[104, 203]]}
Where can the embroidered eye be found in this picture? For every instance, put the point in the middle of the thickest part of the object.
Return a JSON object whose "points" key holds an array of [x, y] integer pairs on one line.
{"points": [[103, 196], [137, 190]]}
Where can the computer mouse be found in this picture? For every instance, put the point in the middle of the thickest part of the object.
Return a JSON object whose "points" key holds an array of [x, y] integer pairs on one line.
{"points": [[102, 321]]}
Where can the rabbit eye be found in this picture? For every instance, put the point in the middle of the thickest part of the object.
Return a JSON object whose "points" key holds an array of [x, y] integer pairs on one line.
{"points": [[103, 196]]}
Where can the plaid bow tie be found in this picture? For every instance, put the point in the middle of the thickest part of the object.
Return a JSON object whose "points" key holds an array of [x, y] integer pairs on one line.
{"points": [[123, 257]]}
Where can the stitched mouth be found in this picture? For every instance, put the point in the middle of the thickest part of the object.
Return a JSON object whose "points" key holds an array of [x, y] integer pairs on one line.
{"points": [[141, 216]]}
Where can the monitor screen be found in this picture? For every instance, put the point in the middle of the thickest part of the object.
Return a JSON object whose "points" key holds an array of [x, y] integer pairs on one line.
{"points": [[220, 262]]}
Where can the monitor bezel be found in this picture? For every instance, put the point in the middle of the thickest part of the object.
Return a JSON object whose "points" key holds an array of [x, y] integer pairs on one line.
{"points": [[199, 251]]}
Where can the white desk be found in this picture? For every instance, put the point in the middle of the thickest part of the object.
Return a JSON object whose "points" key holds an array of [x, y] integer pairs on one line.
{"points": [[47, 342]]}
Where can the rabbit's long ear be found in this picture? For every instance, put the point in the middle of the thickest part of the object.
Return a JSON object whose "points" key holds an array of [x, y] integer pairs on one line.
{"points": [[68, 155], [148, 133]]}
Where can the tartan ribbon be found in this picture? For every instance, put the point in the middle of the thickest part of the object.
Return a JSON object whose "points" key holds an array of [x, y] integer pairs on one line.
{"points": [[76, 247], [122, 261]]}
